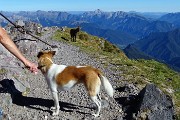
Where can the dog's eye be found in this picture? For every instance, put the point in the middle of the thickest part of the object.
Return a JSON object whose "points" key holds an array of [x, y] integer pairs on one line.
{"points": [[39, 54]]}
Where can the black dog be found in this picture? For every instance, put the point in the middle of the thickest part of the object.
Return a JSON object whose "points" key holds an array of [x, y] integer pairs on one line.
{"points": [[73, 33]]}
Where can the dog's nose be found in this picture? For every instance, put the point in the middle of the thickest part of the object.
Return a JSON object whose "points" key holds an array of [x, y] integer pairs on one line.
{"points": [[39, 67]]}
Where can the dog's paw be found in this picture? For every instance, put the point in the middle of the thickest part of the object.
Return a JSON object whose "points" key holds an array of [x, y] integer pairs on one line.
{"points": [[53, 108], [55, 113], [95, 115]]}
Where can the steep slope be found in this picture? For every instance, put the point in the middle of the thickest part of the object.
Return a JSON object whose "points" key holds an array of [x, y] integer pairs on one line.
{"points": [[133, 53], [171, 18], [164, 46]]}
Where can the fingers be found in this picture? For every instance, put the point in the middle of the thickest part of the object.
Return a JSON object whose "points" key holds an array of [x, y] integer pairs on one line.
{"points": [[32, 67]]}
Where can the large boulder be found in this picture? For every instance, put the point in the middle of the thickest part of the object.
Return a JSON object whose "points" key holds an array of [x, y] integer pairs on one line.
{"points": [[154, 104], [25, 42]]}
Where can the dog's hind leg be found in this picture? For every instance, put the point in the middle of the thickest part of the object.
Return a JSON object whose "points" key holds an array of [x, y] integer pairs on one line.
{"points": [[98, 104], [93, 88], [56, 103]]}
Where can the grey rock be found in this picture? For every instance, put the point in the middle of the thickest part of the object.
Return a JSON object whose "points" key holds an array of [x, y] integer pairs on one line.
{"points": [[21, 85], [7, 100], [104, 103], [20, 23], [155, 104]]}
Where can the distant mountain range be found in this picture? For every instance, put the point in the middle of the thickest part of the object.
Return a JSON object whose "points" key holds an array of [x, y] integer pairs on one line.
{"points": [[121, 28], [151, 15]]}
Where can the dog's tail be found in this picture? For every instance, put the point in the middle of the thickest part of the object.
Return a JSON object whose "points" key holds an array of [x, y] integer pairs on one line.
{"points": [[107, 85]]}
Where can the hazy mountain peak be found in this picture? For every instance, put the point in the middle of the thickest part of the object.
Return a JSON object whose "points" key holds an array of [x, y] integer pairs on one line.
{"points": [[98, 11]]}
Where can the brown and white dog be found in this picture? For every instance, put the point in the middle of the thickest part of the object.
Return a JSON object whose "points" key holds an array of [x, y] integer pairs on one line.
{"points": [[61, 77]]}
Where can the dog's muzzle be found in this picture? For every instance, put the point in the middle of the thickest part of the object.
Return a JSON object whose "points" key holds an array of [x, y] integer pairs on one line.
{"points": [[39, 67]]}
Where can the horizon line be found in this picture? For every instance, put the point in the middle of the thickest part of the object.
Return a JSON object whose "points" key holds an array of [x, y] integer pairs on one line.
{"points": [[88, 11]]}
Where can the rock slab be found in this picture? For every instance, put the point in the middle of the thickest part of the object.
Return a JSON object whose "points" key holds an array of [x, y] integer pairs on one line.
{"points": [[154, 104]]}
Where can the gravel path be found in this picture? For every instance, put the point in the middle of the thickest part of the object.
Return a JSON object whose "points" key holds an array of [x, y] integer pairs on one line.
{"points": [[75, 104]]}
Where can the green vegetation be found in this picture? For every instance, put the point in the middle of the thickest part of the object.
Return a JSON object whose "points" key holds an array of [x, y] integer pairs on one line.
{"points": [[3, 71], [139, 72], [83, 36]]}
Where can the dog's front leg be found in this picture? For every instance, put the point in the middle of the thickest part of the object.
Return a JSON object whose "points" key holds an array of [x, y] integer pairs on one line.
{"points": [[56, 103]]}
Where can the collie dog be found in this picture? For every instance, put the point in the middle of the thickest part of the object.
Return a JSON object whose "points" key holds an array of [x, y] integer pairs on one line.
{"points": [[62, 77]]}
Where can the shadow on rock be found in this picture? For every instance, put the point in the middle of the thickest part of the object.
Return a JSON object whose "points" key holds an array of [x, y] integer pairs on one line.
{"points": [[129, 105], [34, 103], [150, 104]]}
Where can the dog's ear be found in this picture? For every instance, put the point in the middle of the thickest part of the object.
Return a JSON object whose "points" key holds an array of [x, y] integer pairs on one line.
{"points": [[52, 52], [39, 54]]}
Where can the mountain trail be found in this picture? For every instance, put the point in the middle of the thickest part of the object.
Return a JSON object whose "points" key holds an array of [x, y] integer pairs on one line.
{"points": [[75, 104]]}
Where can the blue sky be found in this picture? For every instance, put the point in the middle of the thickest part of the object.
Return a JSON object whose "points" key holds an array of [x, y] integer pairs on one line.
{"points": [[91, 5]]}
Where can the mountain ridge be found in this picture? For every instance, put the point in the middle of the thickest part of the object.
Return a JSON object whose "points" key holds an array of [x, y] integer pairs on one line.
{"points": [[134, 25], [171, 18], [163, 46]]}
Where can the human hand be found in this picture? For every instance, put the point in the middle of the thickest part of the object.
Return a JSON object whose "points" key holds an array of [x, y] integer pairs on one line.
{"points": [[32, 67]]}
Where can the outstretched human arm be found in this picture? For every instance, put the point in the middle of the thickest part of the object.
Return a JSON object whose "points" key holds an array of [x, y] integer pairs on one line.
{"points": [[6, 41]]}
